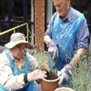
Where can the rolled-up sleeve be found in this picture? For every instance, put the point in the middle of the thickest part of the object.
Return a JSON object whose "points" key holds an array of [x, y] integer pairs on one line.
{"points": [[83, 36]]}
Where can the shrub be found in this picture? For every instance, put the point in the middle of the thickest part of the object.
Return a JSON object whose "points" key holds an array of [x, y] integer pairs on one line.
{"points": [[42, 59], [81, 79]]}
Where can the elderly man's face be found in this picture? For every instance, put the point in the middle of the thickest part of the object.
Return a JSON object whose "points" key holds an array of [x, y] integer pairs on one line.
{"points": [[18, 51], [62, 7]]}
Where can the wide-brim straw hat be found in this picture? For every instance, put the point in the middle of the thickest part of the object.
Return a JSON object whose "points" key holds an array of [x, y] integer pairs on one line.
{"points": [[64, 89], [15, 39]]}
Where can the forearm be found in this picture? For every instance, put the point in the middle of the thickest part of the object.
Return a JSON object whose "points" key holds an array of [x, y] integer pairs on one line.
{"points": [[10, 81], [15, 82], [80, 52]]}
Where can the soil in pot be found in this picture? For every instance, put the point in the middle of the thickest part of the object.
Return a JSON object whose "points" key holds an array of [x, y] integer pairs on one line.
{"points": [[51, 75], [50, 83]]}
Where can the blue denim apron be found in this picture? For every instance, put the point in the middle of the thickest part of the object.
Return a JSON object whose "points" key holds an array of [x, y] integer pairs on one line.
{"points": [[2, 88], [64, 35]]}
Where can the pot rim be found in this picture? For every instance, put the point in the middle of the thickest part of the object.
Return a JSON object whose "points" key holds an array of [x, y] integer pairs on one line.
{"points": [[51, 80], [64, 88]]}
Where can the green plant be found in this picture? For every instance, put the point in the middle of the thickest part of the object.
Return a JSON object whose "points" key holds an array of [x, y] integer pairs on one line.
{"points": [[42, 59], [81, 79]]}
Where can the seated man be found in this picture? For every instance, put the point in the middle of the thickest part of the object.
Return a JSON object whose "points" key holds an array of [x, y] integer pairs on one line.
{"points": [[18, 69]]}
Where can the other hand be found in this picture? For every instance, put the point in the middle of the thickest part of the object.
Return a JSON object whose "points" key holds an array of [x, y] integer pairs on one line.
{"points": [[53, 50], [36, 75], [65, 73]]}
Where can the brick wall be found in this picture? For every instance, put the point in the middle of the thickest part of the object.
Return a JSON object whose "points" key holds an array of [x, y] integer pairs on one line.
{"points": [[39, 24]]}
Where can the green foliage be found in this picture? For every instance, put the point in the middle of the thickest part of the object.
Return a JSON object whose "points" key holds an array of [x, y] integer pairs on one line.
{"points": [[81, 78], [42, 60]]}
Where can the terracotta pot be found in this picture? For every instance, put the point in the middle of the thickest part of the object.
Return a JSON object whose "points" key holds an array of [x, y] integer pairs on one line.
{"points": [[49, 85], [64, 89]]}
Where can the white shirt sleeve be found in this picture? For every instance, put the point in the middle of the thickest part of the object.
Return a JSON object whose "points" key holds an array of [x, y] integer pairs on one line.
{"points": [[7, 79]]}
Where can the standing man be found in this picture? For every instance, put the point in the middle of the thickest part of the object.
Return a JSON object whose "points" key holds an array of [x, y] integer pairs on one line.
{"points": [[67, 38]]}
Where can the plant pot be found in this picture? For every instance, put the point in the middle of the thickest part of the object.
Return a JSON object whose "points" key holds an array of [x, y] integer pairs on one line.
{"points": [[49, 85], [64, 89]]}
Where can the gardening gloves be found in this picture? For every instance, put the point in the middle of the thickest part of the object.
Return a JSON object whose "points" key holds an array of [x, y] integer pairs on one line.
{"points": [[53, 50], [65, 73], [36, 75]]}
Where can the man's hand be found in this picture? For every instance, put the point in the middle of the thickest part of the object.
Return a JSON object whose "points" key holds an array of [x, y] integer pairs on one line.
{"points": [[53, 50], [36, 75], [65, 73]]}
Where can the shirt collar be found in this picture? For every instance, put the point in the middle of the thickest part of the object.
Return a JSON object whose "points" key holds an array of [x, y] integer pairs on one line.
{"points": [[71, 16]]}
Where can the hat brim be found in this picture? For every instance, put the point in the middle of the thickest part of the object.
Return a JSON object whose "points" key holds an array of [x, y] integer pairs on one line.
{"points": [[13, 44]]}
